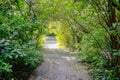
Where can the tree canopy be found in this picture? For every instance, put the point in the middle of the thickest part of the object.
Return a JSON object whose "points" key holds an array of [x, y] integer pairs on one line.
{"points": [[89, 27]]}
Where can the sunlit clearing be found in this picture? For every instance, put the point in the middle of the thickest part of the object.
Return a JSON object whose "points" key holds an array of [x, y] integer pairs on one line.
{"points": [[50, 42], [51, 46]]}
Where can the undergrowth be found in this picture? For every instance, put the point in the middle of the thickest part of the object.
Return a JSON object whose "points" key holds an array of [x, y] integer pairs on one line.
{"points": [[91, 53]]}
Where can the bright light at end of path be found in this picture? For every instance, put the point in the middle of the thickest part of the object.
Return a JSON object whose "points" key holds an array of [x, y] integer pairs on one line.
{"points": [[51, 46], [50, 43]]}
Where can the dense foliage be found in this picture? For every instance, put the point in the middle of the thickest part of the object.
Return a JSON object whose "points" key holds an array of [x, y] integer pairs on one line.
{"points": [[18, 48], [89, 27]]}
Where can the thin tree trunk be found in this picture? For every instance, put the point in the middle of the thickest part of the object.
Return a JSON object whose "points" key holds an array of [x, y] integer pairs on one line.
{"points": [[114, 38], [112, 19]]}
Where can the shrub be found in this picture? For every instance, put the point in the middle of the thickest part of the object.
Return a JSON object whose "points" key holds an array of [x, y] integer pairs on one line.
{"points": [[5, 69], [91, 53], [17, 57], [18, 61]]}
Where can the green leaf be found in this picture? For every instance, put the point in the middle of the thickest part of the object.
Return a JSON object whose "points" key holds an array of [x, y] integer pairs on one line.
{"points": [[115, 24], [113, 32]]}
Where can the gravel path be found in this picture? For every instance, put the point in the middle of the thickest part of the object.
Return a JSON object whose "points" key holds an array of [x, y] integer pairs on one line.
{"points": [[59, 65]]}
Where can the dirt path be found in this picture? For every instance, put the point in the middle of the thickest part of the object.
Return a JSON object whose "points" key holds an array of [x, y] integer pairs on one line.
{"points": [[59, 65]]}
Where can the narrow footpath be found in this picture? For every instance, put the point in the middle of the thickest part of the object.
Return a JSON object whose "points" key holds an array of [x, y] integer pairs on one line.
{"points": [[59, 64]]}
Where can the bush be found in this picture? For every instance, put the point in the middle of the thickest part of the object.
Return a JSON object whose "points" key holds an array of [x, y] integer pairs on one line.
{"points": [[103, 74], [91, 53], [18, 61], [18, 56], [26, 62], [5, 69]]}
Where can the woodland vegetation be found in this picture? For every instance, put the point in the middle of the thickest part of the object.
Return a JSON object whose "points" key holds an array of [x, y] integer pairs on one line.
{"points": [[89, 27]]}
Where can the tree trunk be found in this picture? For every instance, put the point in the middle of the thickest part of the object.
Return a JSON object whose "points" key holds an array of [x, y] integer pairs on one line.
{"points": [[114, 42], [112, 19], [114, 38]]}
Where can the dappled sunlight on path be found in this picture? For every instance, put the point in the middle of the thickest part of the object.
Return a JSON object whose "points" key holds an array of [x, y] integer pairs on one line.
{"points": [[59, 65]]}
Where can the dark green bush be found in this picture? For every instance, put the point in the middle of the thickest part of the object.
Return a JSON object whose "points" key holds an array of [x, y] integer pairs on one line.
{"points": [[18, 58], [5, 69], [18, 61]]}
